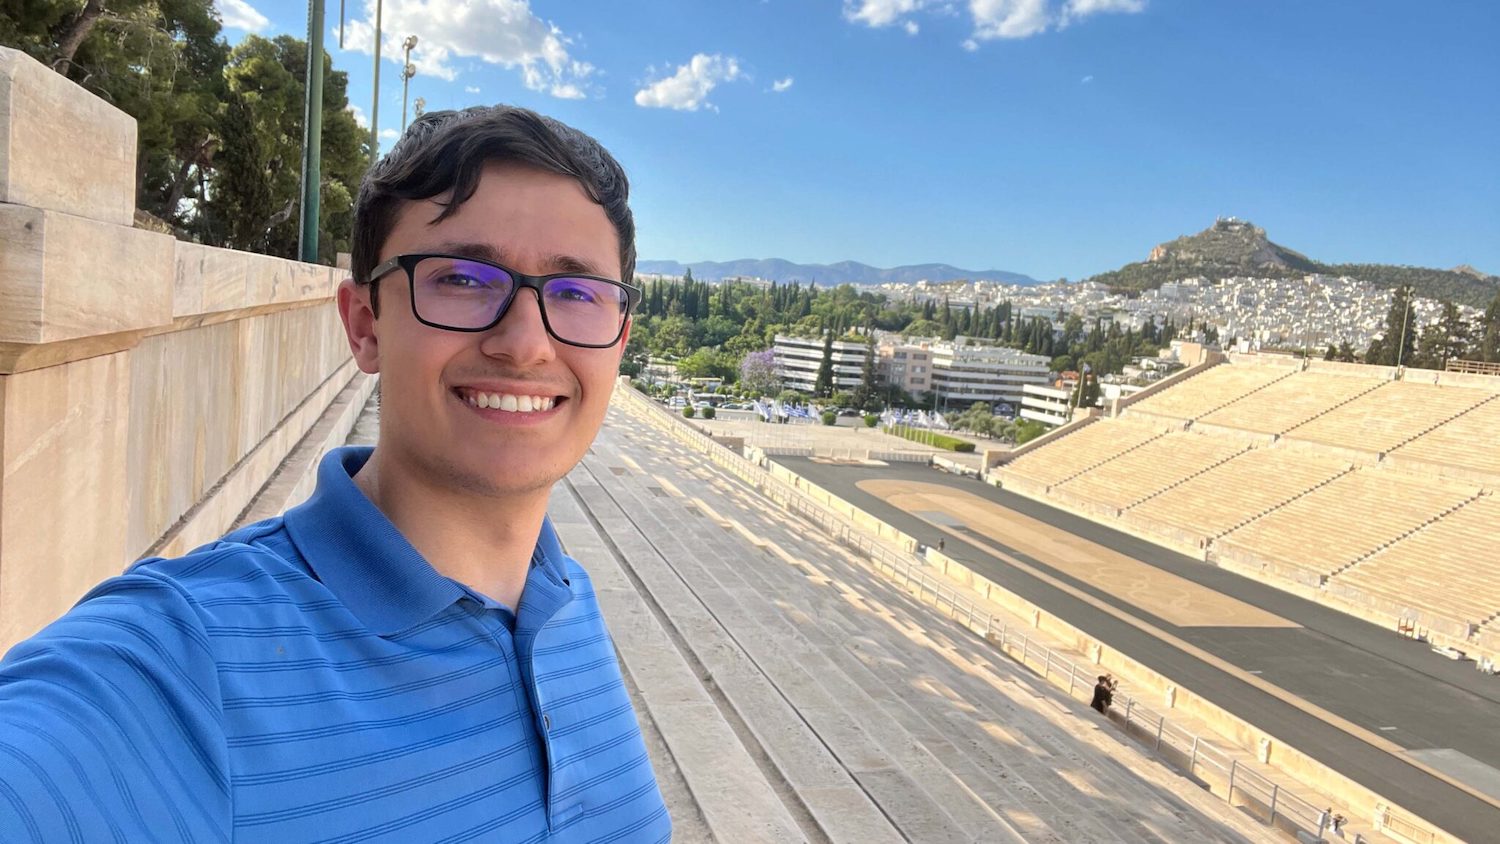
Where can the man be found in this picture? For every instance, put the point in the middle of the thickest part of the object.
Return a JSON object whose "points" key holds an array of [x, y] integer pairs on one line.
{"points": [[409, 655]]}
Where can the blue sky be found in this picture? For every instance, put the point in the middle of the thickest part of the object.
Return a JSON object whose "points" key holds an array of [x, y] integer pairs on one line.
{"points": [[1048, 137]]}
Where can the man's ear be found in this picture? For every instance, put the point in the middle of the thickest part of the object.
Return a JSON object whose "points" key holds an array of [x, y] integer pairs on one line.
{"points": [[359, 324]]}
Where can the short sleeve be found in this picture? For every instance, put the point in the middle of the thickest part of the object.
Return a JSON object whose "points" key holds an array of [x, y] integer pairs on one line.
{"points": [[110, 723]]}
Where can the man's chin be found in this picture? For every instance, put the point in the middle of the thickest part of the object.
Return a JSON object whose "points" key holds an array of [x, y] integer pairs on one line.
{"points": [[493, 475]]}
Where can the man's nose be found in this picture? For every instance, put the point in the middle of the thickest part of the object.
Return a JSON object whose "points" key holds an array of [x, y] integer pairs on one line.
{"points": [[521, 335]]}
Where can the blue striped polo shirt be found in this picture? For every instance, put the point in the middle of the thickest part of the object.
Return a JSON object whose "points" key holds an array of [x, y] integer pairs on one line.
{"points": [[312, 678]]}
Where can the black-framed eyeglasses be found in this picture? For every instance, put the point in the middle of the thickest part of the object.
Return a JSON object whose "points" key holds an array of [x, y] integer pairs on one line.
{"points": [[458, 293]]}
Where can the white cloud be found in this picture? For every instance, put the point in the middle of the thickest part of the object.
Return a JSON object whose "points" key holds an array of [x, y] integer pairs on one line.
{"points": [[992, 19], [781, 84], [1086, 80], [360, 119], [1008, 18], [689, 87], [878, 13], [1074, 10], [237, 14], [471, 89], [501, 32], [389, 134]]}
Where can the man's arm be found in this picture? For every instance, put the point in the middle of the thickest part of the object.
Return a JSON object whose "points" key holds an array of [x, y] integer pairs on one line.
{"points": [[110, 723]]}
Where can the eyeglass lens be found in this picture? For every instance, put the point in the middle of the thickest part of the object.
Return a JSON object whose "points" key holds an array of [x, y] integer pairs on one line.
{"points": [[462, 294]]}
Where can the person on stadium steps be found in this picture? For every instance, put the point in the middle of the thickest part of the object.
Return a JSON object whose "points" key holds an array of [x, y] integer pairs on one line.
{"points": [[409, 654], [1104, 694]]}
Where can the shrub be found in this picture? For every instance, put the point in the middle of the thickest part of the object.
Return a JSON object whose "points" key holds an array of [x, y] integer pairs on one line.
{"points": [[830, 418], [689, 411], [870, 420], [708, 412], [932, 438]]}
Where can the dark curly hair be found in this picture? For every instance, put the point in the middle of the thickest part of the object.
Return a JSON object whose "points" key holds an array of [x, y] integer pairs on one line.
{"points": [[446, 151]]}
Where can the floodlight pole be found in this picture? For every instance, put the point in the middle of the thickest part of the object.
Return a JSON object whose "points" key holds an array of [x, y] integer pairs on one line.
{"points": [[1405, 318], [407, 72], [375, 97], [312, 134]]}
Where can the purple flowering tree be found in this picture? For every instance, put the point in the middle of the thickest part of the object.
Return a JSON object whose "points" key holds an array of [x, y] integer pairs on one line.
{"points": [[758, 373]]}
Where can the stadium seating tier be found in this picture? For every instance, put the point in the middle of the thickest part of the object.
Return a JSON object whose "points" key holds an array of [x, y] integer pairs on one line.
{"points": [[1205, 391], [1156, 465], [1290, 402], [1238, 490], [1389, 415], [1079, 451], [1347, 518], [1449, 568], [1466, 441]]}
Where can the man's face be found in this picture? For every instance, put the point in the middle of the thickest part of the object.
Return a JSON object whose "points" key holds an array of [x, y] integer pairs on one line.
{"points": [[537, 223]]}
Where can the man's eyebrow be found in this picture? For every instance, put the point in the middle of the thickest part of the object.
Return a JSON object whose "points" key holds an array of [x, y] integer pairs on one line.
{"points": [[554, 263]]}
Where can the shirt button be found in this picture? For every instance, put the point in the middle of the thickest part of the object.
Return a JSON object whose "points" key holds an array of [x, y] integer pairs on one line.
{"points": [[546, 722]]}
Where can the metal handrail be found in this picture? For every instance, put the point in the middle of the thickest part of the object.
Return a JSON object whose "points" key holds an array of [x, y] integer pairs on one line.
{"points": [[1171, 743]]}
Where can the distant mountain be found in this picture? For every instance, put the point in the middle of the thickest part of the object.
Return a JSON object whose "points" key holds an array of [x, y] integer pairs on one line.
{"points": [[1232, 247], [844, 272]]}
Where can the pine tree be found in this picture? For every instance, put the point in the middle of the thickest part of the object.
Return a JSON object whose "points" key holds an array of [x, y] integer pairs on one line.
{"points": [[1489, 331], [1400, 339], [823, 385]]}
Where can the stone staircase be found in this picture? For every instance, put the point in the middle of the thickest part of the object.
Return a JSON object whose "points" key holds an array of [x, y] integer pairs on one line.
{"points": [[791, 694]]}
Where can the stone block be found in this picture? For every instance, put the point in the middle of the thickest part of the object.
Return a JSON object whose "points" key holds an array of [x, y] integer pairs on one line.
{"points": [[280, 281], [63, 487], [61, 147], [64, 277], [208, 280], [185, 418]]}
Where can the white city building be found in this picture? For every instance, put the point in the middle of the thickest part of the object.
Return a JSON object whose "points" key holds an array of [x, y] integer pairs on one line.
{"points": [[798, 359], [1045, 404], [965, 372]]}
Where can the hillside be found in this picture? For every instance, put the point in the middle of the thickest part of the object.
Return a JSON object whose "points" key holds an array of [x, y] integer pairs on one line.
{"points": [[1234, 247], [844, 272]]}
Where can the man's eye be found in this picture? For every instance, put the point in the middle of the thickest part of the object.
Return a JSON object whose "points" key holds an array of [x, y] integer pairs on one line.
{"points": [[573, 293], [461, 281]]}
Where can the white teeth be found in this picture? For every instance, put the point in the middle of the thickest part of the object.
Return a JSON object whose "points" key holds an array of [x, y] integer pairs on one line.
{"points": [[508, 402]]}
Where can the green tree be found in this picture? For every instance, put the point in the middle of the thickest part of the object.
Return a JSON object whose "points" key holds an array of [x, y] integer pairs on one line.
{"points": [[823, 384], [266, 77], [706, 363], [160, 61], [1399, 341], [1489, 331], [867, 396]]}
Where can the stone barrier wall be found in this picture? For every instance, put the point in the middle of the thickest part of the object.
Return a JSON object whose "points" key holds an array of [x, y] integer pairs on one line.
{"points": [[148, 388]]}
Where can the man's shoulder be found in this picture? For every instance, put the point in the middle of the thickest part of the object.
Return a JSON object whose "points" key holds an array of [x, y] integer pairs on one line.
{"points": [[237, 560]]}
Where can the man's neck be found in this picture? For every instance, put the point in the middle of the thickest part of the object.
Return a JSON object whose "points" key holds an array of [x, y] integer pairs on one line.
{"points": [[484, 543]]}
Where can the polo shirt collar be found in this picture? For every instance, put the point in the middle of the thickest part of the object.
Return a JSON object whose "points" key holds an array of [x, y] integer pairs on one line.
{"points": [[358, 554]]}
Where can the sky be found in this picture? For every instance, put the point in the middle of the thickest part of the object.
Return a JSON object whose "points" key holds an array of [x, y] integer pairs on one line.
{"points": [[1055, 138]]}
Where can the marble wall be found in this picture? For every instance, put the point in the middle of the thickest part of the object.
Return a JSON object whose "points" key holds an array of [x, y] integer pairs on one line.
{"points": [[148, 387]]}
